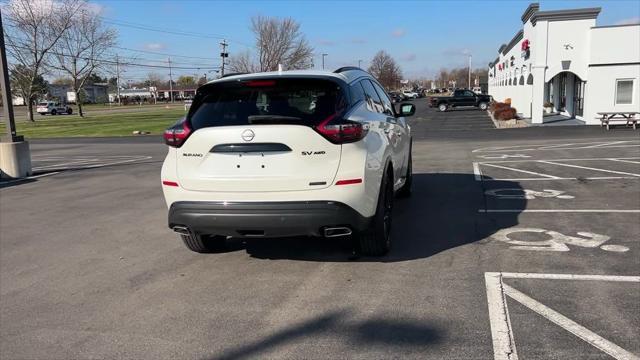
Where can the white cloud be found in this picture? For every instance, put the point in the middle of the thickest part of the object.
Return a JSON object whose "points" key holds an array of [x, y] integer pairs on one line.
{"points": [[408, 57], [155, 46], [633, 20], [398, 32]]}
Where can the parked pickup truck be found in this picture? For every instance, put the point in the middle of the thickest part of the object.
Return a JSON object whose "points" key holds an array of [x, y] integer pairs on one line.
{"points": [[460, 98]]}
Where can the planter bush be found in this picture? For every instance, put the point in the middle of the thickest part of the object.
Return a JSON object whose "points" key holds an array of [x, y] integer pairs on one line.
{"points": [[497, 106], [506, 114]]}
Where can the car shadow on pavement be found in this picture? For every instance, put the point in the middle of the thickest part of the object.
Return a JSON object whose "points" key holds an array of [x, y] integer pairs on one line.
{"points": [[365, 334], [445, 211]]}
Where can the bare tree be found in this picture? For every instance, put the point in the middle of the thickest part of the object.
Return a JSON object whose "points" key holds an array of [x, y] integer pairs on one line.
{"points": [[385, 69], [154, 79], [35, 27], [279, 42], [81, 47], [242, 63]]}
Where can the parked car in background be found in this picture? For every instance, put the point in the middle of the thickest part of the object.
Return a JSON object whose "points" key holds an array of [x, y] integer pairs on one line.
{"points": [[395, 96], [409, 94], [53, 108], [461, 98]]}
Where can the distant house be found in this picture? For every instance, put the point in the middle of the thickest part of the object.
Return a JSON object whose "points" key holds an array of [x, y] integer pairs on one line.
{"points": [[93, 93]]}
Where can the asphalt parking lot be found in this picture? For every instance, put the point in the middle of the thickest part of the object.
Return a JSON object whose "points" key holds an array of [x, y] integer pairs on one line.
{"points": [[519, 243]]}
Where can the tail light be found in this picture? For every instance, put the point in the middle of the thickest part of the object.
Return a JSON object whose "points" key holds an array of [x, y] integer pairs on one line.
{"points": [[342, 132], [176, 135]]}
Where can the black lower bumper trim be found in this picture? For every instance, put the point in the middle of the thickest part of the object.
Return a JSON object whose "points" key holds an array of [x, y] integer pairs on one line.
{"points": [[264, 219]]}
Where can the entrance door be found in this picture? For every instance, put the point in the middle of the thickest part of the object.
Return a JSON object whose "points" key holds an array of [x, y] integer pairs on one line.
{"points": [[578, 97], [562, 91]]}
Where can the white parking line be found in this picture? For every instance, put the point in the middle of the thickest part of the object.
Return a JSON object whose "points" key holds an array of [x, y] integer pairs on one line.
{"points": [[627, 211], [544, 179], [570, 159], [564, 146], [620, 278], [504, 347], [520, 170], [63, 165], [477, 172], [625, 161], [571, 326], [588, 168]]}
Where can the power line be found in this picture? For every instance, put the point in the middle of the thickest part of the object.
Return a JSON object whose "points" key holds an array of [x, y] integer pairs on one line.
{"points": [[108, 61], [169, 31], [147, 52]]}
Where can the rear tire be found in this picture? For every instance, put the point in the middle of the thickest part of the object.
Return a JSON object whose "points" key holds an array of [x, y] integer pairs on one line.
{"points": [[483, 106], [405, 190], [442, 107], [53, 112], [376, 240], [205, 243], [69, 111]]}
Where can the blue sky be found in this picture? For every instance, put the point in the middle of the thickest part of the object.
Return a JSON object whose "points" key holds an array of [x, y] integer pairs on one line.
{"points": [[423, 36]]}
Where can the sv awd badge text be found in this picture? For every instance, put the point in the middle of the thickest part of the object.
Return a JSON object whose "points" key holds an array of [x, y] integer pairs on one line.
{"points": [[305, 153]]}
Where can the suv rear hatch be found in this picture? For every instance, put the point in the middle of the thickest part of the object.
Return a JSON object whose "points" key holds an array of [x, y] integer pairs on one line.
{"points": [[258, 135]]}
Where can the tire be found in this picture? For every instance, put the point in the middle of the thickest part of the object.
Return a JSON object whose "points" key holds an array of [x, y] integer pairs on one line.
{"points": [[483, 106], [205, 243], [69, 111], [376, 240], [442, 107], [53, 112], [405, 190]]}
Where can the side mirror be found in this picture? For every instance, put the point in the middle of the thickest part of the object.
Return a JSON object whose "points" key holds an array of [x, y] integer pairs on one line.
{"points": [[407, 109]]}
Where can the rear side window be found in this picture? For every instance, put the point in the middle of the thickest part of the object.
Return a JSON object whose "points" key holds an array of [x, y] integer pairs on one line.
{"points": [[357, 93], [374, 103], [267, 101]]}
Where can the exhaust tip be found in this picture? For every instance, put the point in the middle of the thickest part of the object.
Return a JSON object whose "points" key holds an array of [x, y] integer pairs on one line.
{"points": [[337, 231], [182, 230]]}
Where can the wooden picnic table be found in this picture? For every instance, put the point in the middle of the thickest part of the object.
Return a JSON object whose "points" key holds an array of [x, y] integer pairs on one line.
{"points": [[629, 117]]}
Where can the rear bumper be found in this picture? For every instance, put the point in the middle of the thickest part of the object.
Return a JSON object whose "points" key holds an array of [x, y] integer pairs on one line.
{"points": [[264, 219]]}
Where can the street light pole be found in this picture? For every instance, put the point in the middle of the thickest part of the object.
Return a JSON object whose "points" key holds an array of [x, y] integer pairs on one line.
{"points": [[7, 99], [15, 155], [323, 55], [359, 64]]}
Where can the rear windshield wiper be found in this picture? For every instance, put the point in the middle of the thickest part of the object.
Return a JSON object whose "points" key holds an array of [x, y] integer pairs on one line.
{"points": [[273, 119]]}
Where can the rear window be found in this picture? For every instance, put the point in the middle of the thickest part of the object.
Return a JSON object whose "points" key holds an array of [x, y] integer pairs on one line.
{"points": [[43, 104], [267, 101]]}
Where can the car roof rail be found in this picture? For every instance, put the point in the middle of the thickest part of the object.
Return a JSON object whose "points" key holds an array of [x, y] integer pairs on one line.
{"points": [[233, 74], [347, 68]]}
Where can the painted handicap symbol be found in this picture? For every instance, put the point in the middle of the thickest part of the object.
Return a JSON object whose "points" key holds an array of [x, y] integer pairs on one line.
{"points": [[526, 194], [505, 156], [557, 242]]}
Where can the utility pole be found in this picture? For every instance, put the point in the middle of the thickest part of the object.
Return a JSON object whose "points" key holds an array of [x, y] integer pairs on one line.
{"points": [[223, 55], [15, 155], [469, 87], [118, 78], [359, 62], [323, 55], [170, 82]]}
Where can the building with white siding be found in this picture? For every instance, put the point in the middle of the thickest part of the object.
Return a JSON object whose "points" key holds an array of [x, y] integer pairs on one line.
{"points": [[562, 58]]}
